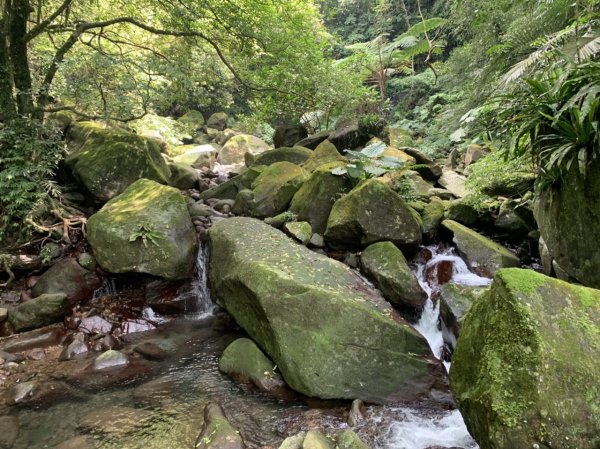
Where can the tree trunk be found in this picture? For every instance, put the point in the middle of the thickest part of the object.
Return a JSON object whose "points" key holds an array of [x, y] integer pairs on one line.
{"points": [[402, 6], [17, 33], [8, 108]]}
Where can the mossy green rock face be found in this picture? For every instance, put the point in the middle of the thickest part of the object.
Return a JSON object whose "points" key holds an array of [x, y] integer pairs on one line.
{"points": [[462, 212], [300, 230], [567, 216], [295, 155], [146, 229], [330, 333], [455, 302], [371, 213], [192, 120], [314, 200], [386, 266], [481, 252], [274, 188], [325, 153], [245, 362], [234, 150], [432, 216], [198, 156], [38, 312], [111, 160], [218, 120], [183, 176], [526, 370]]}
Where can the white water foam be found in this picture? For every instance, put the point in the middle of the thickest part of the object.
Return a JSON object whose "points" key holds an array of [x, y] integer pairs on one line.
{"points": [[202, 302], [415, 431]]}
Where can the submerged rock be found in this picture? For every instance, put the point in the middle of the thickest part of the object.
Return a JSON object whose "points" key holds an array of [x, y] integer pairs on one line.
{"points": [[146, 229], [386, 266], [371, 213], [527, 364], [110, 359], [9, 431], [116, 421], [217, 432], [330, 333], [38, 394], [246, 363], [484, 254]]}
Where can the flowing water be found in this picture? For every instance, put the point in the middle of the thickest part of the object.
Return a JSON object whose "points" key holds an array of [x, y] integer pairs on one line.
{"points": [[165, 410]]}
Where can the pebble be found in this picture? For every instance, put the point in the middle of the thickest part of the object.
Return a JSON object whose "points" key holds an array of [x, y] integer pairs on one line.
{"points": [[110, 359]]}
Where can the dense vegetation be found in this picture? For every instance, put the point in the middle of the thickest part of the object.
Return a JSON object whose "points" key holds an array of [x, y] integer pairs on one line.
{"points": [[520, 76]]}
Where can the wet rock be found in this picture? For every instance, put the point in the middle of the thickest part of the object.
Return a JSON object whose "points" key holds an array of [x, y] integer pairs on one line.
{"points": [[9, 431], [481, 252], [371, 213], [350, 343], [115, 421], [110, 359], [288, 135], [38, 312], [146, 229], [38, 394], [78, 346], [246, 363], [386, 266], [300, 230], [166, 298], [316, 440], [95, 325], [151, 351], [81, 442], [90, 379], [87, 261], [455, 302], [527, 363], [157, 393], [217, 432], [134, 326], [439, 273], [357, 413], [39, 338]]}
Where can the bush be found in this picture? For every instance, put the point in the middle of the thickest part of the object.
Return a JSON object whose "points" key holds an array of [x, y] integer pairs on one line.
{"points": [[28, 161]]}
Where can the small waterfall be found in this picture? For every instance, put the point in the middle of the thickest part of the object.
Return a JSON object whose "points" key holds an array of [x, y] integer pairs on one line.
{"points": [[430, 325], [108, 288], [200, 304]]}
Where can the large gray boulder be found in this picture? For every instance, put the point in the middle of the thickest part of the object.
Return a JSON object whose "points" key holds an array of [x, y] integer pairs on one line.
{"points": [[526, 369], [330, 333], [146, 229], [38, 312]]}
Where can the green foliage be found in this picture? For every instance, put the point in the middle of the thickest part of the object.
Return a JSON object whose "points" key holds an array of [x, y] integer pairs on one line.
{"points": [[252, 124], [369, 163], [171, 130], [145, 233], [28, 163], [554, 119]]}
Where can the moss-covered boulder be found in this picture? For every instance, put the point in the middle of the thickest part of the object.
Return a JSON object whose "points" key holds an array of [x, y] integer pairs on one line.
{"points": [[325, 153], [526, 370], [218, 120], [146, 229], [295, 155], [234, 150], [183, 176], [314, 200], [192, 120], [78, 133], [38, 312], [432, 216], [330, 333], [462, 212], [230, 189], [313, 141], [481, 253], [111, 160], [371, 213], [385, 265], [217, 431], [568, 214], [246, 363], [299, 230], [455, 300], [69, 277], [288, 135], [274, 188]]}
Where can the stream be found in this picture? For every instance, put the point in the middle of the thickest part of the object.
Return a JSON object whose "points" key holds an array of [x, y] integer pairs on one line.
{"points": [[165, 412]]}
